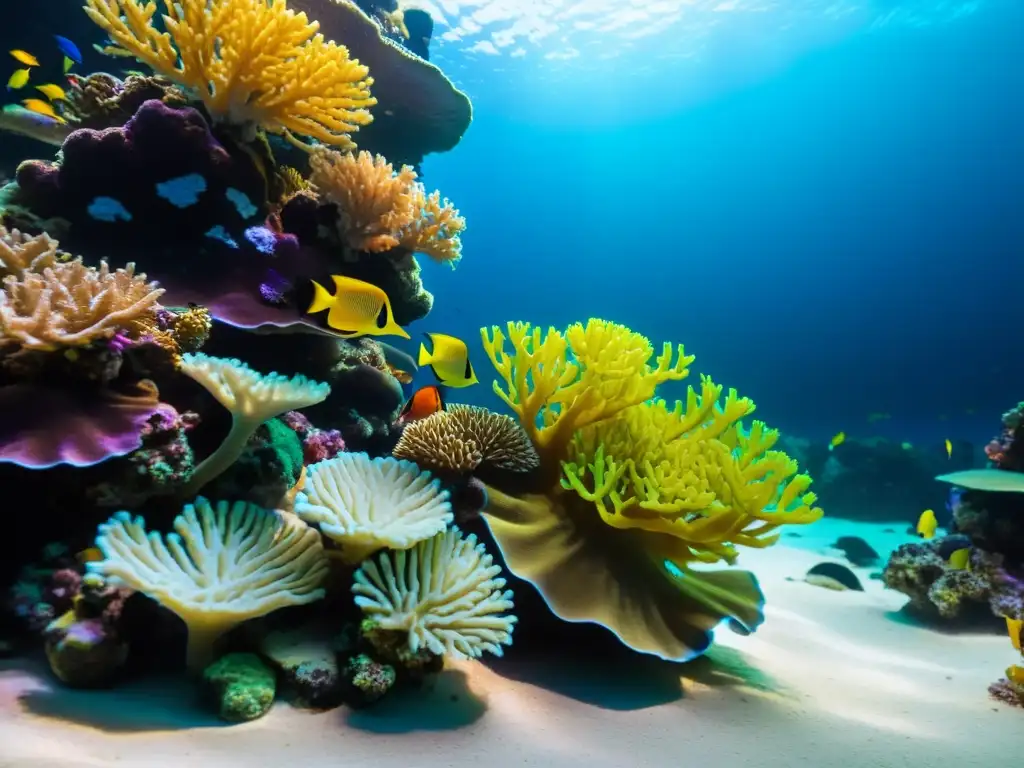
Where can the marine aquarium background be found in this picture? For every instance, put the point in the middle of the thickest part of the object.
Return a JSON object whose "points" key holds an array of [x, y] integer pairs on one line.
{"points": [[855, 167]]}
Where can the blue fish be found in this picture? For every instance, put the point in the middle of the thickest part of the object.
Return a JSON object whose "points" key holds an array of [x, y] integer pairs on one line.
{"points": [[68, 48]]}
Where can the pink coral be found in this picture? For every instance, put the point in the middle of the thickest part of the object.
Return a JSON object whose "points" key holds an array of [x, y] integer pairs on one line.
{"points": [[1007, 450], [317, 444]]}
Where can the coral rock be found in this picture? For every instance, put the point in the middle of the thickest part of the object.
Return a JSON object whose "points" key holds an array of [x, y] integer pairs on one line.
{"points": [[308, 666], [241, 686], [369, 679]]}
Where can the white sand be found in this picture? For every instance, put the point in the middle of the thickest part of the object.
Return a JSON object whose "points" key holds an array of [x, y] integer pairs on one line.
{"points": [[831, 679]]}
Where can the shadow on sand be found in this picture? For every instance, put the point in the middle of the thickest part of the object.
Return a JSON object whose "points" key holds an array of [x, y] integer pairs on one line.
{"points": [[443, 703], [149, 705]]}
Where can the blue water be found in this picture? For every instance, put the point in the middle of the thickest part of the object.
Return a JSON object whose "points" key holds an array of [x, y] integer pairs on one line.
{"points": [[840, 234]]}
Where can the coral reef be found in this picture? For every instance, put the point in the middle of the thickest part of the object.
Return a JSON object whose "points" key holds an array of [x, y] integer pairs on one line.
{"points": [[636, 490], [162, 171], [443, 596], [222, 566], [288, 79], [1007, 450], [365, 504], [317, 444]]}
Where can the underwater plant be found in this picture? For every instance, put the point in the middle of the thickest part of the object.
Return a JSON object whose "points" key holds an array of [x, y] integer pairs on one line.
{"points": [[634, 498], [286, 80]]}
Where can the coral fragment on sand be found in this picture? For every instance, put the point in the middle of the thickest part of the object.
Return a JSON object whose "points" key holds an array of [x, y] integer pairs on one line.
{"points": [[445, 594]]}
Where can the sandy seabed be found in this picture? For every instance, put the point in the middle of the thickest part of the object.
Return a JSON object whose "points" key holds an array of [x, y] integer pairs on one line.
{"points": [[832, 679]]}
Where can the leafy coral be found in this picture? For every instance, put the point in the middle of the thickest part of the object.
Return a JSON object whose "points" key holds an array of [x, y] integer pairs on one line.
{"points": [[633, 492]]}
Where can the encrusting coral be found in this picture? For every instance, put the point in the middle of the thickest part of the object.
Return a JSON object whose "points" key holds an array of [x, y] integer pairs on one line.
{"points": [[461, 438], [380, 209], [251, 397], [252, 62], [444, 595], [632, 492], [223, 565], [365, 504]]}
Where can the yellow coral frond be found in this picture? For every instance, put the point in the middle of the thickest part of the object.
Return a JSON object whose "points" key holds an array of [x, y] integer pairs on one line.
{"points": [[252, 62]]}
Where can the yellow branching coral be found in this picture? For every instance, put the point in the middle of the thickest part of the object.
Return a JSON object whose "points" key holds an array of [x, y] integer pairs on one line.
{"points": [[374, 202], [635, 491], [252, 62], [445, 594], [68, 304], [463, 437], [381, 209]]}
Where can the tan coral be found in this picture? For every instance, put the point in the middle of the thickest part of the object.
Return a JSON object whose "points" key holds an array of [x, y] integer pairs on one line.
{"points": [[69, 304], [21, 253], [374, 202], [436, 229], [445, 594], [463, 437]]}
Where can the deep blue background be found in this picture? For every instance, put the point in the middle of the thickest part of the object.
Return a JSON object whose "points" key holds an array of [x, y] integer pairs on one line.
{"points": [[845, 237]]}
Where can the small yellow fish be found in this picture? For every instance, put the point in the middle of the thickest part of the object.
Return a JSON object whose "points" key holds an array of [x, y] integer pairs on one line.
{"points": [[960, 559], [926, 524], [25, 58], [1013, 628], [837, 439], [949, 448], [89, 555], [68, 64], [356, 308], [17, 79], [1015, 674], [40, 107], [449, 361], [51, 91]]}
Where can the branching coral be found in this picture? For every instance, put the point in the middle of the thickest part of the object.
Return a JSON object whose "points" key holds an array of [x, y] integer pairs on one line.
{"points": [[463, 437], [68, 304], [380, 209], [634, 492], [444, 594], [251, 397], [252, 62], [21, 254], [365, 504], [224, 564]]}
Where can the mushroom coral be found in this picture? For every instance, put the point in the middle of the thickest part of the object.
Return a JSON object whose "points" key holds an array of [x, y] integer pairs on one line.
{"points": [[251, 397], [366, 504], [252, 62], [223, 565], [444, 593], [632, 493]]}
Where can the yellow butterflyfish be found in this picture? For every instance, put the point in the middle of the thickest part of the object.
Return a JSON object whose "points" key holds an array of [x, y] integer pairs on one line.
{"points": [[449, 360], [949, 448], [1014, 627], [837, 439], [356, 308], [1015, 674], [51, 91], [926, 524], [40, 107], [25, 58], [18, 79], [959, 559]]}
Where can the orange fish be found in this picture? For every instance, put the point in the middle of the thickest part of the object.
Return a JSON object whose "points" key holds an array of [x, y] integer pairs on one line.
{"points": [[424, 402], [403, 376]]}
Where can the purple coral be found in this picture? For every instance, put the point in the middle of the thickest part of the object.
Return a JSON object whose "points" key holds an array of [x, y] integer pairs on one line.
{"points": [[44, 426], [317, 444]]}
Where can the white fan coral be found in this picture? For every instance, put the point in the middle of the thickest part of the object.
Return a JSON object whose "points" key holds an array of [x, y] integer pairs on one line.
{"points": [[366, 504], [252, 398], [222, 566], [444, 592]]}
